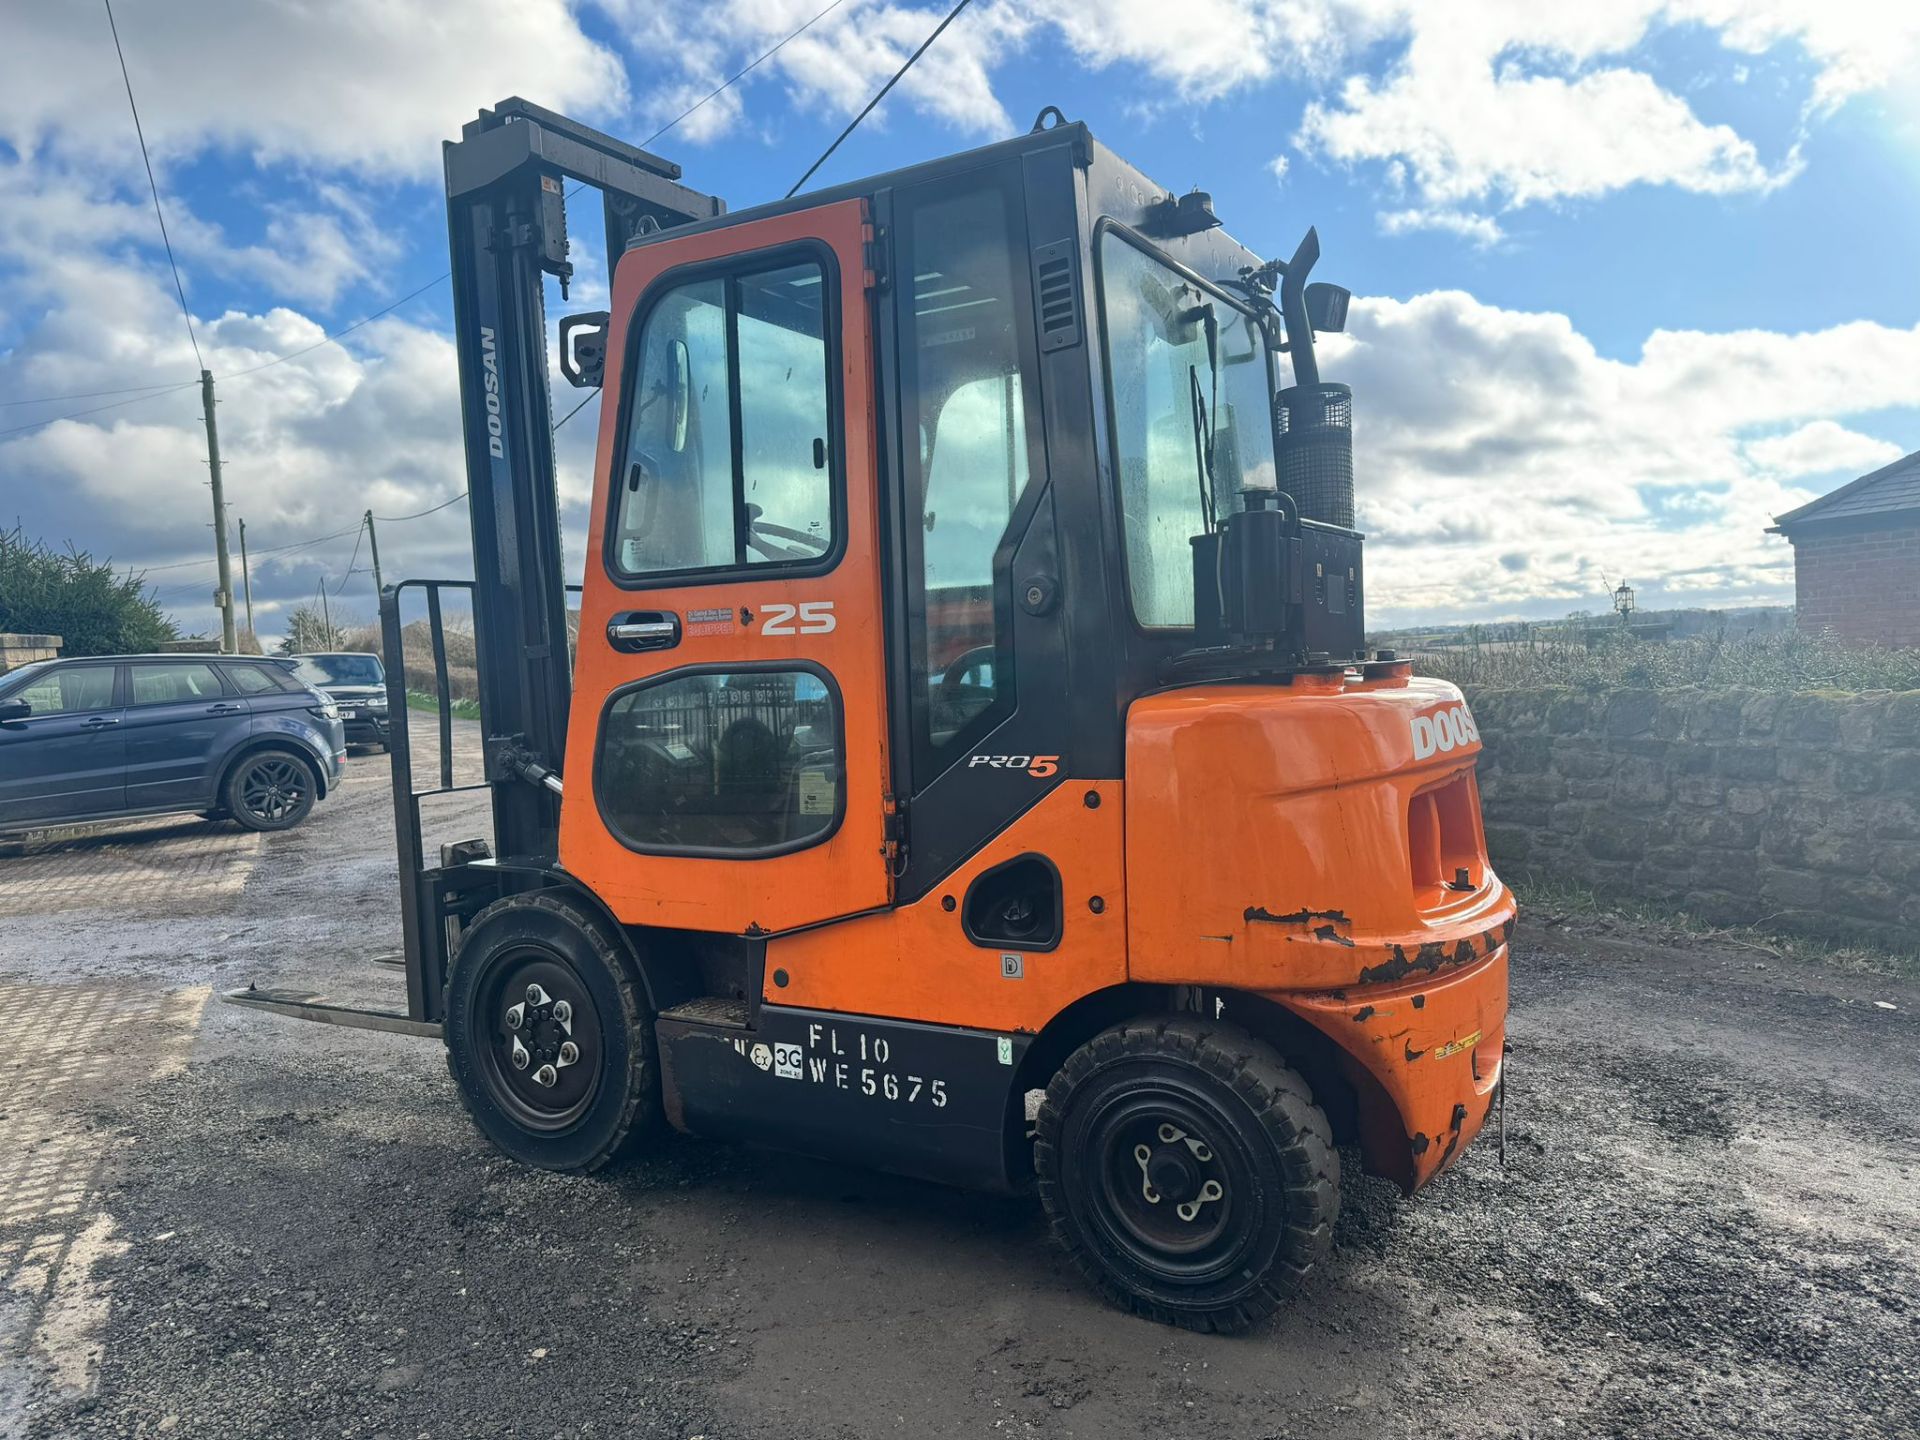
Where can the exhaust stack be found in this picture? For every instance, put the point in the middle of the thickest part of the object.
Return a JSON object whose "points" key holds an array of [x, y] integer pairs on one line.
{"points": [[1314, 419]]}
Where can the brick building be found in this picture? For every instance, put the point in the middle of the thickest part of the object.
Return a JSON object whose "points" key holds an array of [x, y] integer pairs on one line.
{"points": [[1856, 557]]}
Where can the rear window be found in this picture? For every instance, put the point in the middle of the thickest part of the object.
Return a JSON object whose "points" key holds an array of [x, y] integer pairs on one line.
{"points": [[174, 683], [339, 669], [259, 679]]}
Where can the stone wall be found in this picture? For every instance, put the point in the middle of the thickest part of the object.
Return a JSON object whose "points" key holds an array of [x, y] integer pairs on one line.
{"points": [[16, 650], [1795, 812]]}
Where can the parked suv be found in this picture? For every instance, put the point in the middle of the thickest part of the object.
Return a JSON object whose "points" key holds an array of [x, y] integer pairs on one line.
{"points": [[227, 736], [354, 681]]}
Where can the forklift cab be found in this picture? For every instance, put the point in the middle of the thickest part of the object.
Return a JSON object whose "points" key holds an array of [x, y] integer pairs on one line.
{"points": [[930, 452], [970, 762]]}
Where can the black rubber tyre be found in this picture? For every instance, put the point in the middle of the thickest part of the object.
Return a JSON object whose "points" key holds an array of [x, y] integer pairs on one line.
{"points": [[269, 790], [1159, 1117], [519, 960]]}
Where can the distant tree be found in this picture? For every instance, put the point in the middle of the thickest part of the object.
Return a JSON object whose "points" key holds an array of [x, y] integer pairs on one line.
{"points": [[95, 609], [247, 643], [308, 631]]}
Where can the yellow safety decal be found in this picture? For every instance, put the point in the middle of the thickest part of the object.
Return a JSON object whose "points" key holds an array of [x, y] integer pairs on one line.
{"points": [[1454, 1047]]}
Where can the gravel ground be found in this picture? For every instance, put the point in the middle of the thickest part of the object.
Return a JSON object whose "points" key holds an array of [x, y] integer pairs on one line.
{"points": [[220, 1223]]}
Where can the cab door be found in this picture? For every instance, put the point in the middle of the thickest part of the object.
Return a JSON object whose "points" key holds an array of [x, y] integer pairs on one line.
{"points": [[727, 755]]}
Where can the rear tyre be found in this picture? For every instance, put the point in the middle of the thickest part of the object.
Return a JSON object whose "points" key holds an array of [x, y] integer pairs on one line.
{"points": [[1187, 1171], [271, 790], [548, 1037]]}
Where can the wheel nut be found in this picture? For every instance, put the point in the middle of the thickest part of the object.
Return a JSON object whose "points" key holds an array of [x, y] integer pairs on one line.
{"points": [[535, 995], [520, 1056], [514, 1017], [563, 1012], [569, 1052], [545, 1075]]}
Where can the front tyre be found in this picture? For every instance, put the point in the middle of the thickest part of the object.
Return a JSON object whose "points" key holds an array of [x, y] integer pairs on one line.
{"points": [[548, 1038], [1187, 1171]]}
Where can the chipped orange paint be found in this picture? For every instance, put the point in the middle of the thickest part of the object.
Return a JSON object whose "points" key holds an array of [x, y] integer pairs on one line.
{"points": [[1326, 863], [916, 963]]}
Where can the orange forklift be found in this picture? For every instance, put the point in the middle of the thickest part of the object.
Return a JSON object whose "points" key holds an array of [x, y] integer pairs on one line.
{"points": [[971, 763]]}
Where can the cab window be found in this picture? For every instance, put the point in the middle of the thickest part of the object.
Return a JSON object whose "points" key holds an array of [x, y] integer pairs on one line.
{"points": [[730, 455], [968, 447], [742, 762], [1190, 378]]}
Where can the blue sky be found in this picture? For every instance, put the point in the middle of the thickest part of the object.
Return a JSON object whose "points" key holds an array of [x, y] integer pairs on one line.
{"points": [[1630, 282]]}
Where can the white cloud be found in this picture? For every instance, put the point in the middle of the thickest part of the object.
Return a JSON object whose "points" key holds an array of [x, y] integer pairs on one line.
{"points": [[1485, 434], [308, 445], [1483, 230], [1505, 106], [368, 85], [1858, 45], [1822, 447], [834, 67], [1278, 167]]}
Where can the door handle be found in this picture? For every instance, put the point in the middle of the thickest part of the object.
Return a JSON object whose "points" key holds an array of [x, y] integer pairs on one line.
{"points": [[643, 630], [224, 710], [99, 722]]}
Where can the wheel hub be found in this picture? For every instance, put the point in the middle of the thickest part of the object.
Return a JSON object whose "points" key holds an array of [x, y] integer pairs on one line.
{"points": [[540, 1035], [543, 1042]]}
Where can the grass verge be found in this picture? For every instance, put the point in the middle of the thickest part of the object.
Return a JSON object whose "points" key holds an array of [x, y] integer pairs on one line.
{"points": [[462, 709], [1550, 903]]}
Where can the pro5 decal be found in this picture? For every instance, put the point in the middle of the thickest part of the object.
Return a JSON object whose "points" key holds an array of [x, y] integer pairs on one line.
{"points": [[1038, 766]]}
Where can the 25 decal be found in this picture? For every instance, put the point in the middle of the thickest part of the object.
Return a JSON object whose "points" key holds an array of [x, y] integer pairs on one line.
{"points": [[809, 617]]}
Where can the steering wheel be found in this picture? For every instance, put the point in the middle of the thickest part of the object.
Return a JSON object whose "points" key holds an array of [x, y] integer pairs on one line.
{"points": [[758, 530], [953, 678]]}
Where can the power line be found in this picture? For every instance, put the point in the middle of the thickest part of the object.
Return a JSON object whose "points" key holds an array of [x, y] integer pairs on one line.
{"points": [[86, 395], [344, 330], [326, 340], [573, 412], [952, 15], [96, 409], [351, 559], [179, 289], [738, 74]]}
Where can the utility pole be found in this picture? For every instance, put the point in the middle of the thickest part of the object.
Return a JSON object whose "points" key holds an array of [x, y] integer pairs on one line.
{"points": [[229, 642], [246, 580], [373, 544], [326, 612]]}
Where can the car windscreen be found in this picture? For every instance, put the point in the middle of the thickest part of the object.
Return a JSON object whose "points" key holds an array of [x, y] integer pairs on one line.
{"points": [[339, 669]]}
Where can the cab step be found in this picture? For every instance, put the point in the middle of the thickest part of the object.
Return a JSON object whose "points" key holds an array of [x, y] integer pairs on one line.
{"points": [[303, 1005], [721, 1010]]}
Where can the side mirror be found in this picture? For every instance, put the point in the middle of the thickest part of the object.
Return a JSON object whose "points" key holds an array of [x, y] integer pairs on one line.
{"points": [[1327, 307], [583, 349], [14, 710], [681, 395]]}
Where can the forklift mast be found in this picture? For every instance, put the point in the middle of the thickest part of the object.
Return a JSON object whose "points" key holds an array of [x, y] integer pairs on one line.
{"points": [[507, 180]]}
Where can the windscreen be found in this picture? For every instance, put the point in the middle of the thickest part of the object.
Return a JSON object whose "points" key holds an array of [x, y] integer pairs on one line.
{"points": [[339, 669], [1191, 387]]}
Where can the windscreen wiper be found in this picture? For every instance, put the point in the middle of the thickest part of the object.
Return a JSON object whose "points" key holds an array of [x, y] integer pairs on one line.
{"points": [[1205, 407]]}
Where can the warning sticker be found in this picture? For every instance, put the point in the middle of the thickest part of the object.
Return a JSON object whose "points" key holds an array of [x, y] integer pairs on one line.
{"points": [[818, 792], [719, 621]]}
